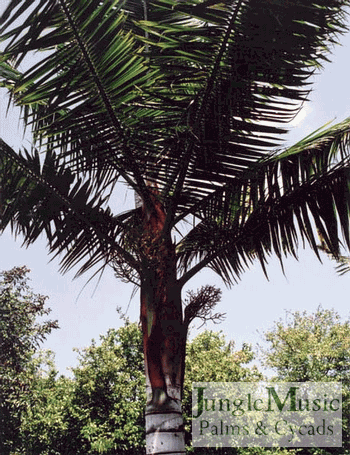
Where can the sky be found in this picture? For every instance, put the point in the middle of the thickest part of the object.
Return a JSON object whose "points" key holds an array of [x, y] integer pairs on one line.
{"points": [[85, 310]]}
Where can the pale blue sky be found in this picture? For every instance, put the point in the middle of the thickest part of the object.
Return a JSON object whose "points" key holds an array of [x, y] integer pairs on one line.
{"points": [[254, 304]]}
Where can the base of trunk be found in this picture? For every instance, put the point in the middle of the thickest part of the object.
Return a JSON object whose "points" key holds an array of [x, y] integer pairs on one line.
{"points": [[165, 433]]}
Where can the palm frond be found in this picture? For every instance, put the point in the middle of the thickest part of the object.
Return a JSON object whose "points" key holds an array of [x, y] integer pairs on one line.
{"points": [[78, 98], [343, 262], [343, 266], [289, 197], [236, 71], [39, 198]]}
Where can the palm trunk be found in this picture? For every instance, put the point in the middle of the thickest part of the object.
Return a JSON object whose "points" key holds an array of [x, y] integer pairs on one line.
{"points": [[164, 339], [164, 423]]}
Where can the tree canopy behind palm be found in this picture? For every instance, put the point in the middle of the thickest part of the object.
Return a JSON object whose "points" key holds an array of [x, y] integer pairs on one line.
{"points": [[186, 102]]}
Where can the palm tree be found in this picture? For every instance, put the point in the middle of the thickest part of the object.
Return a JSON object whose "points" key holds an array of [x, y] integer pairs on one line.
{"points": [[184, 102]]}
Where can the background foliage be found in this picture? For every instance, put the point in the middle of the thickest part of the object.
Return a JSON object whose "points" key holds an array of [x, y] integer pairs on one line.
{"points": [[99, 410], [20, 337]]}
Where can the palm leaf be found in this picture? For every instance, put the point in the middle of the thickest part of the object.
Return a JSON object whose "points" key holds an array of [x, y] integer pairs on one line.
{"points": [[343, 265], [236, 71], [289, 198], [78, 90], [39, 198]]}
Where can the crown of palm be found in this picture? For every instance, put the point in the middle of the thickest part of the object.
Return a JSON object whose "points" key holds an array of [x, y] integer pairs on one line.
{"points": [[182, 100]]}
